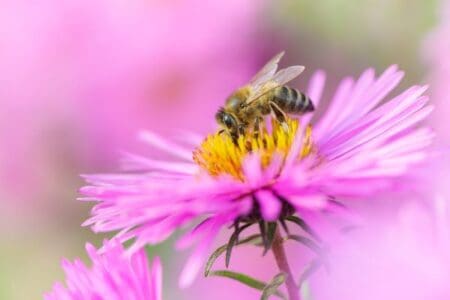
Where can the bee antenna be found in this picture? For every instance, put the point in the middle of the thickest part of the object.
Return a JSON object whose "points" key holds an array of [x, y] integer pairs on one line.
{"points": [[220, 113]]}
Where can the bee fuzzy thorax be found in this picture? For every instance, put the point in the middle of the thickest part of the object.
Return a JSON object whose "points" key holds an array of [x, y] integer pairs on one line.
{"points": [[219, 154]]}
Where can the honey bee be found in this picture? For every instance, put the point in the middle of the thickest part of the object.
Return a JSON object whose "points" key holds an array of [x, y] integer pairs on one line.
{"points": [[265, 94]]}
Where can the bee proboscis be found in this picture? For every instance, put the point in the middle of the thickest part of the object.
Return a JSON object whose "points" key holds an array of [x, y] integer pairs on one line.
{"points": [[266, 94]]}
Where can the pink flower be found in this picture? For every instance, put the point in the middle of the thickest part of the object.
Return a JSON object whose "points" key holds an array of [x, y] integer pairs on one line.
{"points": [[406, 258], [357, 149], [113, 275]]}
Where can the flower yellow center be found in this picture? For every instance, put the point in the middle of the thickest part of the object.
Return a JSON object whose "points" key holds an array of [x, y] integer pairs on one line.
{"points": [[218, 154]]}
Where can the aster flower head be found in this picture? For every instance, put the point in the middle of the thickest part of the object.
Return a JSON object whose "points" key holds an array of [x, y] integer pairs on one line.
{"points": [[114, 275], [356, 149]]}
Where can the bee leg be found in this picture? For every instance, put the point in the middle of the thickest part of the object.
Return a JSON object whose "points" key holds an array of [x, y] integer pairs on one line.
{"points": [[279, 115], [257, 127], [234, 136], [241, 129]]}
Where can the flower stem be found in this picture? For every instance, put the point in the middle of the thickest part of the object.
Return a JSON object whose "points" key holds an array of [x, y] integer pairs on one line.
{"points": [[283, 265]]}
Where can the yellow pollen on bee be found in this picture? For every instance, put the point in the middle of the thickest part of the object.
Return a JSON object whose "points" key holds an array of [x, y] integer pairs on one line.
{"points": [[219, 155]]}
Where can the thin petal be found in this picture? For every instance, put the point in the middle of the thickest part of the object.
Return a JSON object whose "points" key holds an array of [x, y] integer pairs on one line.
{"points": [[197, 258], [270, 206], [308, 201], [163, 144], [156, 279], [315, 90]]}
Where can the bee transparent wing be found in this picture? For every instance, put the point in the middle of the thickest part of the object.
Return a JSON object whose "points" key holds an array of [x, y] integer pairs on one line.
{"points": [[279, 79], [267, 72], [284, 76]]}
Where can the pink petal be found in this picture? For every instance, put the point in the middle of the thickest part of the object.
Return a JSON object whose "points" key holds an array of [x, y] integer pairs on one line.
{"points": [[156, 279], [163, 144], [199, 255], [252, 169], [313, 202], [315, 90], [270, 206]]}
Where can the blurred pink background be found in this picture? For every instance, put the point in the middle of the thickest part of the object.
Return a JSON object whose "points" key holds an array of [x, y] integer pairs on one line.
{"points": [[79, 78], [402, 258]]}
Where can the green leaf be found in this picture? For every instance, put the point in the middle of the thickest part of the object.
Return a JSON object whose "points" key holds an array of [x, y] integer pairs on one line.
{"points": [[307, 242], [232, 241], [245, 279], [300, 222], [272, 287], [271, 228], [219, 251]]}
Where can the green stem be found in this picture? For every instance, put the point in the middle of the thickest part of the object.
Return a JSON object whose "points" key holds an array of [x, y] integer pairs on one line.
{"points": [[280, 257]]}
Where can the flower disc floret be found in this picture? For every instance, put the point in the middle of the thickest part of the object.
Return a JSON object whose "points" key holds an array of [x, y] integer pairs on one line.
{"points": [[219, 155]]}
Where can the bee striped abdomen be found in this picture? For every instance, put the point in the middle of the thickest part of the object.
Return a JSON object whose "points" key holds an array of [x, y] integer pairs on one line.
{"points": [[292, 101]]}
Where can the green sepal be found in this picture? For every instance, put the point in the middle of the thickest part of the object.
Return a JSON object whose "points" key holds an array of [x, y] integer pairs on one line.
{"points": [[247, 280], [284, 225], [300, 222], [232, 241], [270, 233], [262, 229], [219, 251], [307, 242], [272, 287]]}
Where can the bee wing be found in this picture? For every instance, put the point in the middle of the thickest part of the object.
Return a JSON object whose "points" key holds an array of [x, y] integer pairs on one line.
{"points": [[279, 79], [285, 75], [268, 71]]}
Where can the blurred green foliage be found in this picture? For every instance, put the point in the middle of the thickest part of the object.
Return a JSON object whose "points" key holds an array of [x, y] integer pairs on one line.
{"points": [[350, 35]]}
